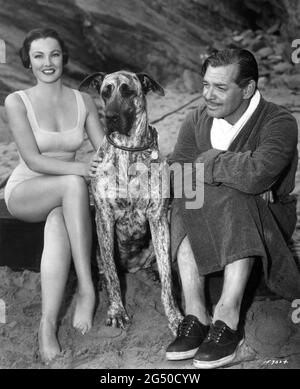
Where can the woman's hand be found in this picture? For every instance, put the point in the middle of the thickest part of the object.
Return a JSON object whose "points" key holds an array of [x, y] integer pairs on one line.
{"points": [[92, 165]]}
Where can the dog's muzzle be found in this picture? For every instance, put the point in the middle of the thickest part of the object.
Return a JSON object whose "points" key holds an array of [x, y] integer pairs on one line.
{"points": [[112, 121], [118, 123]]}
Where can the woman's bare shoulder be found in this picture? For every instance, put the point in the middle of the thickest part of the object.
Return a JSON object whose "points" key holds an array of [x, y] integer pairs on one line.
{"points": [[88, 100], [14, 101]]}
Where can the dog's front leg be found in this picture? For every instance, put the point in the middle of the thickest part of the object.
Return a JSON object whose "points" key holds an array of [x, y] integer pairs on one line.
{"points": [[161, 242], [116, 314]]}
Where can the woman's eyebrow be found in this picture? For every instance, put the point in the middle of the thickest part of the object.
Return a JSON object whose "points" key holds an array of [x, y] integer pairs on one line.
{"points": [[41, 52]]}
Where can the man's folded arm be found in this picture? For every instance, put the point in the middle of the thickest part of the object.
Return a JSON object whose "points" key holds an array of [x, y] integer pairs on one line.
{"points": [[256, 171]]}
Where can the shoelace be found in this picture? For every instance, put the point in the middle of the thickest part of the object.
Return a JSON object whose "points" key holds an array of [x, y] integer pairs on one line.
{"points": [[215, 333], [185, 327]]}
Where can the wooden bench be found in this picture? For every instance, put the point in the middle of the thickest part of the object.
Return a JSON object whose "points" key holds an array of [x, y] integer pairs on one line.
{"points": [[21, 243]]}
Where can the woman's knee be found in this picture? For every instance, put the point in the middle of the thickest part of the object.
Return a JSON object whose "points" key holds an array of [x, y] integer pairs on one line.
{"points": [[55, 218], [75, 184], [55, 226]]}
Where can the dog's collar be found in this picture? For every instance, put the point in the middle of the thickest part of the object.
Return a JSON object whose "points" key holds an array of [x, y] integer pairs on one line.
{"points": [[152, 143]]}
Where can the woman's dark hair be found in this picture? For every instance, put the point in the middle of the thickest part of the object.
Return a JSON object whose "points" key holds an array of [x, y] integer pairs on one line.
{"points": [[39, 33], [248, 69]]}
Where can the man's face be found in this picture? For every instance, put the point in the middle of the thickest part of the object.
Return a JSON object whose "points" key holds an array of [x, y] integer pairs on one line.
{"points": [[222, 96]]}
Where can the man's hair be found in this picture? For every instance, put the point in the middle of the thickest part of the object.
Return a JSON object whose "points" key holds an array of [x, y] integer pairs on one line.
{"points": [[248, 68], [39, 33]]}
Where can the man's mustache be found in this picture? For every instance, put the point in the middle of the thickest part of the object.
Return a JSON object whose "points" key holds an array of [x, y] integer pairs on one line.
{"points": [[211, 102]]}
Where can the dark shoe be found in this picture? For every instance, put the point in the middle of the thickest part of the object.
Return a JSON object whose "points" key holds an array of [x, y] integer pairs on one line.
{"points": [[219, 348], [190, 335]]}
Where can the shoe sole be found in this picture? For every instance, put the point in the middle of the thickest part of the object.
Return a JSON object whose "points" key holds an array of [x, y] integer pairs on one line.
{"points": [[178, 356], [219, 362]]}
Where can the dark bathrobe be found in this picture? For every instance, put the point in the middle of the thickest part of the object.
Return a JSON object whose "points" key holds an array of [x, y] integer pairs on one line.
{"points": [[234, 221]]}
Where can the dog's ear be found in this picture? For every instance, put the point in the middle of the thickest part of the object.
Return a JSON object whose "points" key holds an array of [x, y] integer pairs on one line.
{"points": [[149, 84], [94, 80]]}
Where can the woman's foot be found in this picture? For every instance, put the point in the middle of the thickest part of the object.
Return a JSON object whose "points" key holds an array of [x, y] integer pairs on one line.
{"points": [[84, 310], [48, 344]]}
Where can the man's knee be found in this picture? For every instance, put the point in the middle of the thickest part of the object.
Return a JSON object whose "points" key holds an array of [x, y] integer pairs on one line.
{"points": [[227, 193]]}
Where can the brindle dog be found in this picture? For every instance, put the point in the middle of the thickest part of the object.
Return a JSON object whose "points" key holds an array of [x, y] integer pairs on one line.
{"points": [[128, 191]]}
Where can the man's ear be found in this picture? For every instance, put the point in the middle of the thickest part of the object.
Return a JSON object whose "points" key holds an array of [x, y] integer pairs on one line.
{"points": [[148, 84], [94, 80], [249, 90]]}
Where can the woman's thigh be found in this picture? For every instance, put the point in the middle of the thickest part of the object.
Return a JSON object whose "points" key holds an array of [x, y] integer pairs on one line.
{"points": [[33, 199]]}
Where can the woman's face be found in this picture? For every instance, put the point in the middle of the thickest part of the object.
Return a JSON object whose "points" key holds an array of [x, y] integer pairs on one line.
{"points": [[46, 59]]}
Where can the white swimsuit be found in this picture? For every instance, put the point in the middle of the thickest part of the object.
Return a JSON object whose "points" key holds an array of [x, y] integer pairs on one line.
{"points": [[62, 145]]}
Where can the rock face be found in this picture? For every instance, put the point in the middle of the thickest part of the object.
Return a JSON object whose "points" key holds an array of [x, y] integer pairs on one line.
{"points": [[17, 18], [290, 27], [162, 37]]}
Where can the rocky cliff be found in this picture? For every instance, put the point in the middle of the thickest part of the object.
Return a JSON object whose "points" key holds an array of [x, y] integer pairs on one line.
{"points": [[162, 37]]}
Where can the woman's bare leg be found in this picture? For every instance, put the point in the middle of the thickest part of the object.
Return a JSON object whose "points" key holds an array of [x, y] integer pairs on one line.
{"points": [[32, 201], [55, 265]]}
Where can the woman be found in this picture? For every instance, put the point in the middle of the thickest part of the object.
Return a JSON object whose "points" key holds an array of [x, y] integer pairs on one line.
{"points": [[48, 122]]}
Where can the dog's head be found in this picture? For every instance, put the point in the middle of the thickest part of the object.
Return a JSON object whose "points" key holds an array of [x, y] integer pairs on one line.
{"points": [[123, 94]]}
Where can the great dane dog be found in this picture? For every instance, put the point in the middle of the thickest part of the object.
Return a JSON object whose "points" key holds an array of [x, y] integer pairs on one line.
{"points": [[127, 190]]}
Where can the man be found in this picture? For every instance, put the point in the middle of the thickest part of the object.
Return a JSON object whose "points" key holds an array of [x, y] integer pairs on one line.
{"points": [[249, 150]]}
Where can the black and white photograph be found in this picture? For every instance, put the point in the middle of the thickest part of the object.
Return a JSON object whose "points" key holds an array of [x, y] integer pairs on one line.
{"points": [[149, 187]]}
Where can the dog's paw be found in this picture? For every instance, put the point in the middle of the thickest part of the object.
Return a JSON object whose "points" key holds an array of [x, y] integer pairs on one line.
{"points": [[117, 317]]}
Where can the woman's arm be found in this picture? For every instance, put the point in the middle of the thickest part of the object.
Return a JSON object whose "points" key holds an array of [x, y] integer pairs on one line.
{"points": [[27, 146], [93, 126]]}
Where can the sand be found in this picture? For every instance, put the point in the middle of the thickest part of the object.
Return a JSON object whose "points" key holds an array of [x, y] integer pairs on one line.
{"points": [[272, 338]]}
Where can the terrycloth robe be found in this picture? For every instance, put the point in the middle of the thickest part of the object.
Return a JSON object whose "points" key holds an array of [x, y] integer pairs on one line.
{"points": [[235, 222]]}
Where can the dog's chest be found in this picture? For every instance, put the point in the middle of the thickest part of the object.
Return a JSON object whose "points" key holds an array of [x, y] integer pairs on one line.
{"points": [[128, 179]]}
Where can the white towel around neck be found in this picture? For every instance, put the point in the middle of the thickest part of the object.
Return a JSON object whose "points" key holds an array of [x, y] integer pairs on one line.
{"points": [[223, 133]]}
